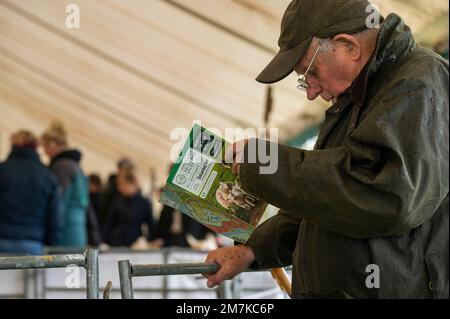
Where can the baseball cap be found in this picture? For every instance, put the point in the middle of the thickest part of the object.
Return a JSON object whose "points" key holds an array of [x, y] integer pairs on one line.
{"points": [[305, 19]]}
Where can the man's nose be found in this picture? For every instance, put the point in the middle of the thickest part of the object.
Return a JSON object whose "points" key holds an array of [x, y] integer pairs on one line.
{"points": [[313, 92]]}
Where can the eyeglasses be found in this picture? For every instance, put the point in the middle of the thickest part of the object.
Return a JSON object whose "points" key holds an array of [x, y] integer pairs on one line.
{"points": [[302, 84]]}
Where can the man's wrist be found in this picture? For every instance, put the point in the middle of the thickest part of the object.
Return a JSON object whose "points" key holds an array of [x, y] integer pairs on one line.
{"points": [[248, 254]]}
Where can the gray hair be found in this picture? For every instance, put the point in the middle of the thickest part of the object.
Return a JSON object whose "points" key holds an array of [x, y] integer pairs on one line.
{"points": [[326, 45]]}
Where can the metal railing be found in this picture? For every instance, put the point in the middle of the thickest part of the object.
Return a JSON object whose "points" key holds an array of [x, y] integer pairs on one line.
{"points": [[167, 261], [227, 290], [87, 260], [127, 271]]}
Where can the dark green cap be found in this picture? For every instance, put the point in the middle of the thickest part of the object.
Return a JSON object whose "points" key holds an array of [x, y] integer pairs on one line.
{"points": [[305, 19]]}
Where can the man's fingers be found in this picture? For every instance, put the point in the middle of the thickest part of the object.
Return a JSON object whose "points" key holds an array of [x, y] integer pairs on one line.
{"points": [[215, 280], [231, 260], [210, 259], [211, 283]]}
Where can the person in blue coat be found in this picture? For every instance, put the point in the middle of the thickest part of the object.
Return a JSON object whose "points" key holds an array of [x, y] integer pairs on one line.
{"points": [[29, 205], [73, 185]]}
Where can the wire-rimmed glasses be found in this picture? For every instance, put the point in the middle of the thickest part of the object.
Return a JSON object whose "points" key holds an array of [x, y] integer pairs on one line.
{"points": [[302, 84]]}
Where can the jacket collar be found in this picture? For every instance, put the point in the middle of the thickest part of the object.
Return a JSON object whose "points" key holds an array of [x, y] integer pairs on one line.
{"points": [[394, 41], [73, 155], [24, 152]]}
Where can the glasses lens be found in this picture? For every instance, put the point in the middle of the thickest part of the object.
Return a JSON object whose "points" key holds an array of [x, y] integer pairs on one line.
{"points": [[301, 88], [302, 85]]}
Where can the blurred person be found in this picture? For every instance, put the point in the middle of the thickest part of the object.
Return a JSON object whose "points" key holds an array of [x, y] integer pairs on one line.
{"points": [[178, 229], [128, 213], [110, 192], [94, 236], [73, 185], [93, 226], [30, 215], [95, 192]]}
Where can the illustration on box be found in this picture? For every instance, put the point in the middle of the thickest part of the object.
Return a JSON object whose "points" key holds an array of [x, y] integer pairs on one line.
{"points": [[202, 186]]}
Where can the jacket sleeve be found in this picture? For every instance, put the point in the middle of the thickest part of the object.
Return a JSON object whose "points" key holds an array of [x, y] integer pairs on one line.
{"points": [[273, 241], [54, 222], [389, 176]]}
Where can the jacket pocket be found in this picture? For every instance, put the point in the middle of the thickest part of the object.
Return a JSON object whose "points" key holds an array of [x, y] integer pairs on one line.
{"points": [[437, 266]]}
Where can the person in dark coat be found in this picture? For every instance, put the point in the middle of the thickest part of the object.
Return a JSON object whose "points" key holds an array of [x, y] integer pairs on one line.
{"points": [[30, 215], [110, 191], [174, 226], [95, 193], [177, 229], [94, 228], [73, 184], [364, 214], [128, 213]]}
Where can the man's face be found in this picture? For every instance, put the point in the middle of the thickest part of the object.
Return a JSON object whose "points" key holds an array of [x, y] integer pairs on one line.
{"points": [[331, 73]]}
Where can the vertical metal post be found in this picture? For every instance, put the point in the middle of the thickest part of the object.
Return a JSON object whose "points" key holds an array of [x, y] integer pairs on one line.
{"points": [[36, 283], [236, 287], [224, 290], [165, 279], [125, 275], [44, 284], [26, 278], [92, 280]]}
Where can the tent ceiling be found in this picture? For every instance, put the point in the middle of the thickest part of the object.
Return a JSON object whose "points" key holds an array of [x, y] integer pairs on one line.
{"points": [[137, 69]]}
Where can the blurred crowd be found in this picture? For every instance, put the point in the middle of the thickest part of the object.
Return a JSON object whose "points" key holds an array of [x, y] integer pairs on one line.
{"points": [[59, 205]]}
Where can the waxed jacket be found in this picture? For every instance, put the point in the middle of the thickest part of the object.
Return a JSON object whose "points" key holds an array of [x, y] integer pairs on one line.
{"points": [[365, 214]]}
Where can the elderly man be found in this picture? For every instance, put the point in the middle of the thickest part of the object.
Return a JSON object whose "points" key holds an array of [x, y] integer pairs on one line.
{"points": [[365, 214]]}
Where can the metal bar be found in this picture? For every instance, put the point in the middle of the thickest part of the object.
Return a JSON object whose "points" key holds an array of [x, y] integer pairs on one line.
{"points": [[49, 261], [126, 284], [26, 278], [236, 287], [36, 282], [127, 271], [224, 290], [92, 280], [44, 284], [173, 269], [165, 279], [19, 296]]}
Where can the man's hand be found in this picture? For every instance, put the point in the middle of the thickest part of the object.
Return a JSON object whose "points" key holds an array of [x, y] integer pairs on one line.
{"points": [[234, 155], [232, 261]]}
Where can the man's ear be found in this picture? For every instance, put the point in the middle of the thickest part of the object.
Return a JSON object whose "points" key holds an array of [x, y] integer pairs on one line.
{"points": [[352, 45]]}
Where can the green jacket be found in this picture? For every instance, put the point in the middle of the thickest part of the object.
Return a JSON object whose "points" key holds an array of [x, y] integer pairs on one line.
{"points": [[374, 191]]}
